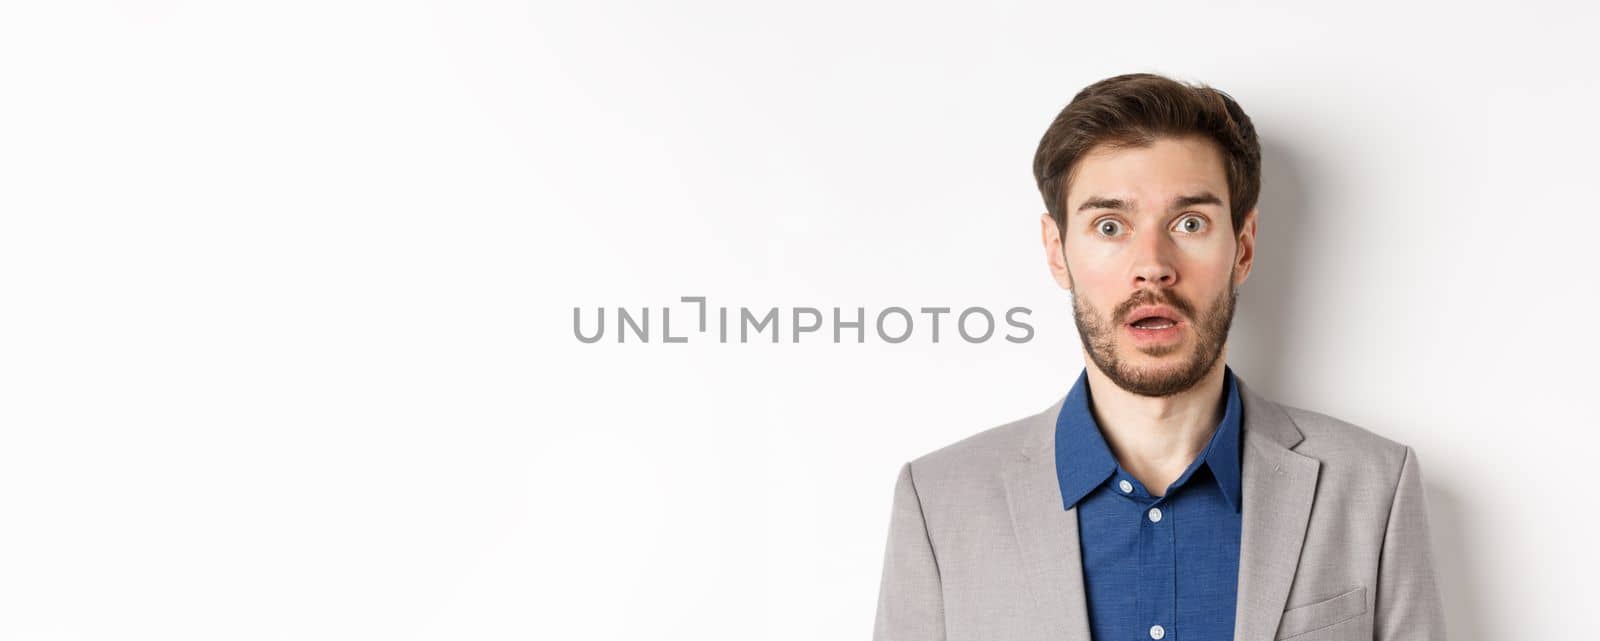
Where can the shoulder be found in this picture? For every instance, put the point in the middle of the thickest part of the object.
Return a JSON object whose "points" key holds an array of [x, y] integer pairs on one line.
{"points": [[1345, 445], [986, 452]]}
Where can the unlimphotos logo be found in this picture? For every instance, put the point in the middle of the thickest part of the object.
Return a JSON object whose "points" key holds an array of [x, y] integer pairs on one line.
{"points": [[739, 324]]}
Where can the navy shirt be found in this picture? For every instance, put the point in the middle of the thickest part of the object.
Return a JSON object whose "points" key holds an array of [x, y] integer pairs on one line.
{"points": [[1154, 567]]}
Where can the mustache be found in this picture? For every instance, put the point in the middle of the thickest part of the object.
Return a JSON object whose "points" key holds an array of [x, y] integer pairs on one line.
{"points": [[1149, 297]]}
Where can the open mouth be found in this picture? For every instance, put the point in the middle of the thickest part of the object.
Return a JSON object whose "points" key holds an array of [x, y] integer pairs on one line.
{"points": [[1154, 322]]}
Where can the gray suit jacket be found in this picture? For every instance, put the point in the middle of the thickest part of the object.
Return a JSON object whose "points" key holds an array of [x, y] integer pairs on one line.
{"points": [[1334, 538]]}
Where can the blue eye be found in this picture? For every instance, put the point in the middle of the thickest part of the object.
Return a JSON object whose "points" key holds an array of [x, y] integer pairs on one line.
{"points": [[1107, 223]]}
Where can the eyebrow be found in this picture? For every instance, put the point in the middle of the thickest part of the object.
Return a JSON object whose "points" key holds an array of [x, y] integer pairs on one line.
{"points": [[1202, 198]]}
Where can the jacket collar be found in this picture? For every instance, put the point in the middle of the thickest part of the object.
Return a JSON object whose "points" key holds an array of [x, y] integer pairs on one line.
{"points": [[1277, 488]]}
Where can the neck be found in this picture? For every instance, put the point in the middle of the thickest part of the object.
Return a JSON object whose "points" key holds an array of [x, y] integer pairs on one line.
{"points": [[1156, 439]]}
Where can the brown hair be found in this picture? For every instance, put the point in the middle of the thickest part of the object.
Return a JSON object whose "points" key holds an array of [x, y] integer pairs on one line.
{"points": [[1133, 110]]}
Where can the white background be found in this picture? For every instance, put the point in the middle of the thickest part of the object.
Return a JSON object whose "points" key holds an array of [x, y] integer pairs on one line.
{"points": [[286, 296]]}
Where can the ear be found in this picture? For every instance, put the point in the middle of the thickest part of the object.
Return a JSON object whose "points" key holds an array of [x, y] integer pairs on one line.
{"points": [[1054, 253], [1245, 244]]}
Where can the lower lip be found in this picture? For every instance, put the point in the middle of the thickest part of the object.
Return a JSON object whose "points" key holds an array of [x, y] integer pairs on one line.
{"points": [[1151, 336]]}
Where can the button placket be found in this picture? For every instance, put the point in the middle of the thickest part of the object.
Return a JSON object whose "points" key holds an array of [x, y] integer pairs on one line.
{"points": [[1159, 576]]}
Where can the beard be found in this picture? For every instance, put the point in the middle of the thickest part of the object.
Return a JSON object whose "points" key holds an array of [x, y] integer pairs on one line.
{"points": [[1101, 334]]}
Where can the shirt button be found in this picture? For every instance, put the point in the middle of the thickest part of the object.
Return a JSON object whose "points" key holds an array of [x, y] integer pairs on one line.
{"points": [[1125, 485], [1157, 632], [1155, 516]]}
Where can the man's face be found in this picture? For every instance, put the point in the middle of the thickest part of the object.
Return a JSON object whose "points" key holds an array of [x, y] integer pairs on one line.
{"points": [[1147, 231]]}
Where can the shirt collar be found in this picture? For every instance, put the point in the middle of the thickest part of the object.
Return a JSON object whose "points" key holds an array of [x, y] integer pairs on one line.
{"points": [[1084, 461]]}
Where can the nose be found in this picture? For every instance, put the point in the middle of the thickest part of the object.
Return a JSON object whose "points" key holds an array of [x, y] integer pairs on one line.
{"points": [[1153, 262]]}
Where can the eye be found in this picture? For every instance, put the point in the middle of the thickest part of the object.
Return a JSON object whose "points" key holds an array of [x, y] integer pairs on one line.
{"points": [[1108, 227], [1200, 224]]}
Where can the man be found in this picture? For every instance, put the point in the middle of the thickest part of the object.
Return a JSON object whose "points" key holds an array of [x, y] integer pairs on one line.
{"points": [[1161, 497]]}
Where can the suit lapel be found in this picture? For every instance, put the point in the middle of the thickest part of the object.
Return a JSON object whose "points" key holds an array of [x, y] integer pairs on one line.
{"points": [[1278, 487], [1046, 534]]}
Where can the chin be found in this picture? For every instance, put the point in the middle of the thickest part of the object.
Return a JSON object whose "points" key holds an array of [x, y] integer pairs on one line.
{"points": [[1159, 367], [1175, 353]]}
